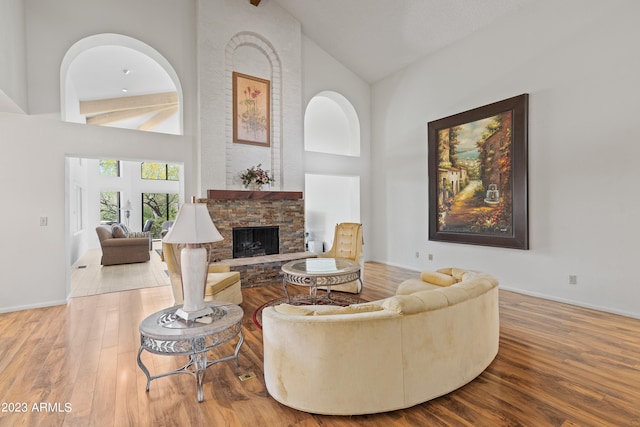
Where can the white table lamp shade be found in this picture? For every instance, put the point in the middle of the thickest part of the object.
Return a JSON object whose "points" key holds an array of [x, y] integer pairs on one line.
{"points": [[193, 225]]}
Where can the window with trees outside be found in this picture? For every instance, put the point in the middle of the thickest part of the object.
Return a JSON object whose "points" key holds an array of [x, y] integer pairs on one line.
{"points": [[110, 167], [109, 206], [160, 171], [158, 208]]}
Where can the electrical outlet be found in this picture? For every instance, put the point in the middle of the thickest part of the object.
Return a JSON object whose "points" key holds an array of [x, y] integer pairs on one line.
{"points": [[44, 221], [573, 279], [430, 257], [417, 254]]}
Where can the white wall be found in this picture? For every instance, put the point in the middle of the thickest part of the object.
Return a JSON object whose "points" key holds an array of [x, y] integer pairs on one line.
{"points": [[13, 81], [35, 265], [330, 200], [53, 27], [321, 72], [77, 179], [220, 22], [33, 167], [578, 61]]}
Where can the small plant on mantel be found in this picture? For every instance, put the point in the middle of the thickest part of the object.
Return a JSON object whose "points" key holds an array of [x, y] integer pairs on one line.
{"points": [[255, 177]]}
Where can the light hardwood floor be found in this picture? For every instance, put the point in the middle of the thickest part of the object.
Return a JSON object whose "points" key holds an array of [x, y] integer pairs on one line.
{"points": [[558, 365], [88, 277]]}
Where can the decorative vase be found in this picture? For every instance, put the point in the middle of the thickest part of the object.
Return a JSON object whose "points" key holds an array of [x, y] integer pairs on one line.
{"points": [[255, 186]]}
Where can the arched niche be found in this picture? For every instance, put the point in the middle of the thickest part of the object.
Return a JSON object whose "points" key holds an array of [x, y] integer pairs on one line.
{"points": [[160, 77], [331, 125], [249, 53]]}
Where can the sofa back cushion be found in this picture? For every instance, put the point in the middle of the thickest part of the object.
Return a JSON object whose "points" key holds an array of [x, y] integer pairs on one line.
{"points": [[118, 232], [473, 285]]}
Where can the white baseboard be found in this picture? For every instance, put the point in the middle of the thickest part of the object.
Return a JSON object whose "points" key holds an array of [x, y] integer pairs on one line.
{"points": [[571, 302], [538, 295], [32, 306]]}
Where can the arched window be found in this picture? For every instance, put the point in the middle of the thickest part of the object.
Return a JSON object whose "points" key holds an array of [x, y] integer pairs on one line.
{"points": [[331, 125]]}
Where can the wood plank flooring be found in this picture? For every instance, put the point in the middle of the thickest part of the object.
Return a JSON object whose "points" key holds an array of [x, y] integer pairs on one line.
{"points": [[75, 365], [88, 277]]}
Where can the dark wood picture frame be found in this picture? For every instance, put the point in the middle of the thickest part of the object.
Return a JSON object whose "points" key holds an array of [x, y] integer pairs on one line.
{"points": [[477, 168], [251, 110]]}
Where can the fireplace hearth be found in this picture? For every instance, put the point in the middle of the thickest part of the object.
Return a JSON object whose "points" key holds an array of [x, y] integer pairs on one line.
{"points": [[255, 241]]}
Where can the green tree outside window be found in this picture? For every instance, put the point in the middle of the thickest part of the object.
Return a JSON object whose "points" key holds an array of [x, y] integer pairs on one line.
{"points": [[159, 208], [110, 167], [160, 171], [110, 206]]}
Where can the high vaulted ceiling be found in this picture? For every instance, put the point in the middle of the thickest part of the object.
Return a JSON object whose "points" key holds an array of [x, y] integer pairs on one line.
{"points": [[375, 38]]}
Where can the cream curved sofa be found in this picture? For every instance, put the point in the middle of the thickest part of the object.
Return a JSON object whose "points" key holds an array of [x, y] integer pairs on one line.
{"points": [[435, 335]]}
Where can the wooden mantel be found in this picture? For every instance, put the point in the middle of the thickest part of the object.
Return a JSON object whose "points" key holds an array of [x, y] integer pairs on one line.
{"points": [[263, 195]]}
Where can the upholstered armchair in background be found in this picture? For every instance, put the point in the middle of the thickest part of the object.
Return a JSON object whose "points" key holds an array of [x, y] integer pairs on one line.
{"points": [[222, 284], [347, 244]]}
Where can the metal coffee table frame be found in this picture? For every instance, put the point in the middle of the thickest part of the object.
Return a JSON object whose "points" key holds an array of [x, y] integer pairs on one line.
{"points": [[165, 334], [314, 272]]}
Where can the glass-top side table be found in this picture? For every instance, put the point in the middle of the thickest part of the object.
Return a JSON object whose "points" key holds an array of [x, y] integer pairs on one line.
{"points": [[314, 272], [166, 334]]}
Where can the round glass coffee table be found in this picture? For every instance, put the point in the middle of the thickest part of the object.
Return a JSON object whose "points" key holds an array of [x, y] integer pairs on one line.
{"points": [[166, 334], [314, 272]]}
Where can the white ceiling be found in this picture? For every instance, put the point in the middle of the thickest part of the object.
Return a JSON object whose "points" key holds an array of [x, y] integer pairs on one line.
{"points": [[375, 38]]}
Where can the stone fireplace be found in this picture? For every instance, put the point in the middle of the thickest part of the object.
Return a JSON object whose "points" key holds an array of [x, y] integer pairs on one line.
{"points": [[231, 209]]}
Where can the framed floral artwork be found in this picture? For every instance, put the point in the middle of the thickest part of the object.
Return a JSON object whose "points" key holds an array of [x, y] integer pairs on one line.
{"points": [[251, 110], [477, 163]]}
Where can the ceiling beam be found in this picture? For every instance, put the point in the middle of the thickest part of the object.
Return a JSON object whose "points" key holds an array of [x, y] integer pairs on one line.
{"points": [[118, 116], [127, 102], [158, 118], [255, 2]]}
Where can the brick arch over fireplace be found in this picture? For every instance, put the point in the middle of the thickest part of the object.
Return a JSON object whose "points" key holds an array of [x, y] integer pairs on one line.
{"points": [[256, 41]]}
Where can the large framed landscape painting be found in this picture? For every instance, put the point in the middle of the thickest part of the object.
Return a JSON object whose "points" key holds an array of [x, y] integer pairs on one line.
{"points": [[251, 110], [478, 175]]}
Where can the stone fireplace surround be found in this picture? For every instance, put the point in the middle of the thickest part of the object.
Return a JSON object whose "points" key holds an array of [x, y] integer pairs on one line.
{"points": [[237, 208]]}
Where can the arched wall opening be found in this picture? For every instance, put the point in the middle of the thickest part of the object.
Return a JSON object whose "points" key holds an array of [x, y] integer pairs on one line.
{"points": [[331, 125], [105, 58]]}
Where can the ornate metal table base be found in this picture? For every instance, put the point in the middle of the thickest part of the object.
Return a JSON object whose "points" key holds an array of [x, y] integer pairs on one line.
{"points": [[166, 334], [314, 272]]}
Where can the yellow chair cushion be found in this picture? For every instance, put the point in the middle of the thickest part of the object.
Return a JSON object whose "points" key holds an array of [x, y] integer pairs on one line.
{"points": [[217, 282]]}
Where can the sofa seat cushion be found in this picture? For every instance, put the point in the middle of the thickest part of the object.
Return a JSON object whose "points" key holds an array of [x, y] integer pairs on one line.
{"points": [[217, 282], [327, 310], [293, 310], [350, 309]]}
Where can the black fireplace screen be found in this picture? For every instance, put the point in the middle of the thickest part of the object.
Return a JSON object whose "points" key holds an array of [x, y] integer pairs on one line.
{"points": [[255, 241]]}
